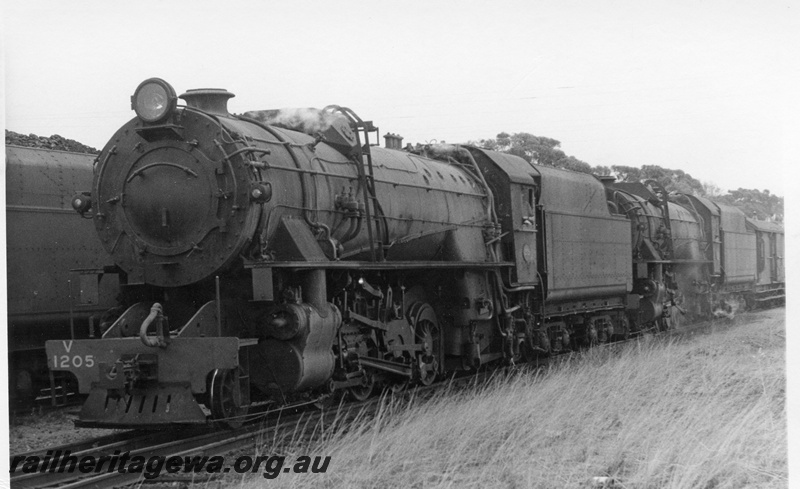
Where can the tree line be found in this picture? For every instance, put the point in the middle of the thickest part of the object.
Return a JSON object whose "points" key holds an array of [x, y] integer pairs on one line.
{"points": [[759, 204]]}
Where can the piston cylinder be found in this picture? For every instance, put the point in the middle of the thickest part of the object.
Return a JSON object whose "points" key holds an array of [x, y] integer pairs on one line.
{"points": [[298, 356]]}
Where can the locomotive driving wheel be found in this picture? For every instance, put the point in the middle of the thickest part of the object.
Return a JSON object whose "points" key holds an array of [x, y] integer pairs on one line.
{"points": [[426, 332], [225, 398]]}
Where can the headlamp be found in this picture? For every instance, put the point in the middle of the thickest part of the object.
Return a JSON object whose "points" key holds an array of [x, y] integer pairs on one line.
{"points": [[154, 100]]}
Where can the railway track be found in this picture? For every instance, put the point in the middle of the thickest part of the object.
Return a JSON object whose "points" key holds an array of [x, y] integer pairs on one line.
{"points": [[95, 447], [269, 424], [184, 443], [200, 441]]}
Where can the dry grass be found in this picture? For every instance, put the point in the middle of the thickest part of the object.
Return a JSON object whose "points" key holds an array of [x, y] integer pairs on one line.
{"points": [[707, 413], [38, 431]]}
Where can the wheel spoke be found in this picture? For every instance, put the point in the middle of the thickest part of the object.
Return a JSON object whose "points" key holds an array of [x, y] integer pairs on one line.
{"points": [[428, 336]]}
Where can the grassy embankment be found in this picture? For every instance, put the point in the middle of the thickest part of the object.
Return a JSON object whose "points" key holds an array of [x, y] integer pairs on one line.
{"points": [[707, 412]]}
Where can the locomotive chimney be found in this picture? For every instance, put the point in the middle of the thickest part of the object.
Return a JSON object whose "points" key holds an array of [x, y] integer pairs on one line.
{"points": [[211, 100], [393, 141]]}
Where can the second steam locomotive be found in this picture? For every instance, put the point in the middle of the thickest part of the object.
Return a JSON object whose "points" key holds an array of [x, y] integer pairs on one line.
{"points": [[271, 261]]}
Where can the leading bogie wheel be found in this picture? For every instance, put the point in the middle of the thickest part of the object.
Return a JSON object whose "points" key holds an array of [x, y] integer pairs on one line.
{"points": [[225, 398], [362, 392]]}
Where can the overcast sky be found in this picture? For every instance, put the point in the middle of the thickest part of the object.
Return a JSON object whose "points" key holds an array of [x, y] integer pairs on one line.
{"points": [[709, 87]]}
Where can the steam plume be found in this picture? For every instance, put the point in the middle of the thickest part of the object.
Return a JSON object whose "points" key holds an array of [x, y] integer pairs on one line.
{"points": [[307, 120]]}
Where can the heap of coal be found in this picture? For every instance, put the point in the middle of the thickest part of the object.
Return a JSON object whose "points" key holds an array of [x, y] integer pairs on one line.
{"points": [[53, 142]]}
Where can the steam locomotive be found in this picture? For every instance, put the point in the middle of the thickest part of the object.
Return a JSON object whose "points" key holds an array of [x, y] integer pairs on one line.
{"points": [[269, 257]]}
